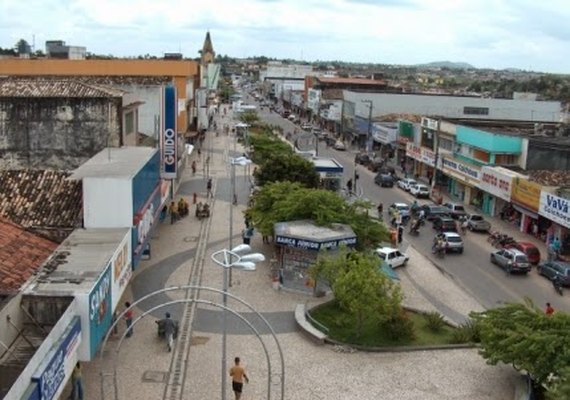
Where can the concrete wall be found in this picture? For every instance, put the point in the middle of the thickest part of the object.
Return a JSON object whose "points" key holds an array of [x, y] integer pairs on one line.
{"points": [[7, 332], [149, 112], [452, 106], [56, 133]]}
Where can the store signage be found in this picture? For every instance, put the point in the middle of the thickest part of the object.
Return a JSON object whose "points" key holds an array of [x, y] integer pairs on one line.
{"points": [[122, 269], [311, 245], [422, 154], [169, 142], [51, 375], [526, 193], [555, 208], [384, 134], [466, 170], [100, 310], [495, 182]]}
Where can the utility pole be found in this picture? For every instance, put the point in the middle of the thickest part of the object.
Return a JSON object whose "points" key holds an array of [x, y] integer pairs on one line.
{"points": [[369, 102]]}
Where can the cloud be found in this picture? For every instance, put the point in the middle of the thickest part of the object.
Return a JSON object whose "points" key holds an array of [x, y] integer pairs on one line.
{"points": [[486, 33]]}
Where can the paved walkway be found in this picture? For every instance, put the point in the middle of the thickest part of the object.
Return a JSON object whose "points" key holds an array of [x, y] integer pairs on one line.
{"points": [[144, 367]]}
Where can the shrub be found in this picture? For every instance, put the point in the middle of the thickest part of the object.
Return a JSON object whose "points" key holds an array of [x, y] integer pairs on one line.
{"points": [[434, 321], [399, 327], [466, 333]]}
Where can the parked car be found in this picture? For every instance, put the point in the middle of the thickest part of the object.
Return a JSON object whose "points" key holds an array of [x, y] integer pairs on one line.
{"points": [[402, 208], [457, 210], [306, 126], [529, 249], [453, 241], [362, 159], [511, 260], [393, 257], [444, 224], [553, 269], [419, 190], [406, 184], [433, 211], [384, 180], [339, 145], [376, 164], [476, 222]]}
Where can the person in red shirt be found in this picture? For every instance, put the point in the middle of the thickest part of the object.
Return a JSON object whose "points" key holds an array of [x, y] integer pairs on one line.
{"points": [[549, 309], [129, 320]]}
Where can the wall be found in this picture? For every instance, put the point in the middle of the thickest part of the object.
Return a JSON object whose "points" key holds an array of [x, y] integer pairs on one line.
{"points": [[149, 112], [488, 141], [57, 133], [452, 106], [7, 332], [549, 156], [107, 202]]}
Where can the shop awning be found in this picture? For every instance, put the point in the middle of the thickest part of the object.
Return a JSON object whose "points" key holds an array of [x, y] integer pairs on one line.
{"points": [[526, 211]]}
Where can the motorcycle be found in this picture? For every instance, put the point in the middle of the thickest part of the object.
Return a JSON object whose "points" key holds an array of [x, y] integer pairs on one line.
{"points": [[557, 285], [415, 227], [493, 235]]}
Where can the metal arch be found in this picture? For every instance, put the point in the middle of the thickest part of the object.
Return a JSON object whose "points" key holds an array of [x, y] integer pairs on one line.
{"points": [[210, 289]]}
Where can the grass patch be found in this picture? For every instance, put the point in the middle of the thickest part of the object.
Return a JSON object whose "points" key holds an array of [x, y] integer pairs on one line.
{"points": [[342, 327]]}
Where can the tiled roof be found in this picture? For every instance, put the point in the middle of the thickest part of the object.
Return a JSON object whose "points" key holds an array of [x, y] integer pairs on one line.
{"points": [[21, 254], [54, 88], [550, 178], [41, 200], [103, 80]]}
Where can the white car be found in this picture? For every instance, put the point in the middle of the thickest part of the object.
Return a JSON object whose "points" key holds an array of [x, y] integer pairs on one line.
{"points": [[406, 184], [393, 257], [419, 190], [339, 145], [306, 127]]}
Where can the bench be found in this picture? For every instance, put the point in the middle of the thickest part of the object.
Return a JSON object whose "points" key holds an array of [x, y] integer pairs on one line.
{"points": [[301, 319]]}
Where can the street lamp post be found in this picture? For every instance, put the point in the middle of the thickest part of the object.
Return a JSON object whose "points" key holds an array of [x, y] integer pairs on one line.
{"points": [[243, 161], [228, 259]]}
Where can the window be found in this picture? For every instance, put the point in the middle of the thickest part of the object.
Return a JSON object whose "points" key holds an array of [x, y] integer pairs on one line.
{"points": [[476, 110], [481, 155], [129, 122], [445, 144], [505, 159]]}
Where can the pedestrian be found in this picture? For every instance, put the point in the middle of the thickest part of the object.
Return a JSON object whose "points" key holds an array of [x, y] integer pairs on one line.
{"points": [[194, 167], [349, 186], [173, 209], [400, 233], [549, 309], [554, 249], [76, 383], [129, 314], [237, 372], [209, 188]]}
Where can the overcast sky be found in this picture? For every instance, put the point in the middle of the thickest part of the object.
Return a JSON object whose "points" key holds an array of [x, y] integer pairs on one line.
{"points": [[485, 33]]}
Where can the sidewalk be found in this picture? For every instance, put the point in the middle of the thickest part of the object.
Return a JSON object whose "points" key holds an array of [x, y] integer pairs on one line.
{"points": [[181, 255]]}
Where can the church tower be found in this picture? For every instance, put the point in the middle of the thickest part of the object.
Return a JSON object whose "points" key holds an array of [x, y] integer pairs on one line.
{"points": [[207, 53]]}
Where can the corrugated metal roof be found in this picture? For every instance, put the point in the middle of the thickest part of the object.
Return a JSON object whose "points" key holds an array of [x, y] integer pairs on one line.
{"points": [[352, 81], [55, 88]]}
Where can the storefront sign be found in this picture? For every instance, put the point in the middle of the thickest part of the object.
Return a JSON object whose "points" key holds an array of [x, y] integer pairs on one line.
{"points": [[496, 182], [100, 310], [168, 138], [59, 362], [311, 245], [421, 154], [429, 123], [143, 222], [384, 134], [526, 193], [555, 208], [465, 171], [122, 269]]}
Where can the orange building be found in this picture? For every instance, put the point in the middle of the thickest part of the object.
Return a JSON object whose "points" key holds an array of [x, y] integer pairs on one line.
{"points": [[185, 74]]}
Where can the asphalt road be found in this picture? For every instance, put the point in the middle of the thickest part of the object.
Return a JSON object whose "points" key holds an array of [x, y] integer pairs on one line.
{"points": [[488, 283]]}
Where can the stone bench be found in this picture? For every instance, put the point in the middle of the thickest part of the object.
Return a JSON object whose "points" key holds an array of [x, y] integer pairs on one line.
{"points": [[313, 333]]}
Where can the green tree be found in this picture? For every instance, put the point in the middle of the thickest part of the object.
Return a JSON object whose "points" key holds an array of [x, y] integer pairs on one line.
{"points": [[265, 145], [287, 167], [560, 389], [23, 47], [359, 287], [522, 335], [249, 117]]}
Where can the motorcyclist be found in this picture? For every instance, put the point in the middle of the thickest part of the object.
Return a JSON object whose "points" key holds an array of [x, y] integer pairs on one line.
{"points": [[380, 209], [168, 326], [464, 225], [415, 226], [415, 207]]}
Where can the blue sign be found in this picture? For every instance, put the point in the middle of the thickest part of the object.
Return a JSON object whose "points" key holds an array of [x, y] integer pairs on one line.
{"points": [[168, 138], [100, 310], [50, 378], [311, 245]]}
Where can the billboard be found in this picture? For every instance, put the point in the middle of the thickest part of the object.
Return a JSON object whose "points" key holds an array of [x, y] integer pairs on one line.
{"points": [[526, 193], [100, 310], [122, 269], [168, 137], [555, 208]]}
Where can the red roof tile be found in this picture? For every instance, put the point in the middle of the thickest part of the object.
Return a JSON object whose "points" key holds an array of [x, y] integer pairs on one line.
{"points": [[21, 254]]}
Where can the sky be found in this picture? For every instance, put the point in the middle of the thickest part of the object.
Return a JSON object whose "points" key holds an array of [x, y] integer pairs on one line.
{"points": [[524, 34]]}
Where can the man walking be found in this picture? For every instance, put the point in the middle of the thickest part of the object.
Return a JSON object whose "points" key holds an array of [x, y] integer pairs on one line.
{"points": [[129, 320], [209, 188], [76, 383], [237, 372]]}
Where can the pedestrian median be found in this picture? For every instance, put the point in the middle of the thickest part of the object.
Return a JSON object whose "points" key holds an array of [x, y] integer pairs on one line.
{"points": [[306, 326]]}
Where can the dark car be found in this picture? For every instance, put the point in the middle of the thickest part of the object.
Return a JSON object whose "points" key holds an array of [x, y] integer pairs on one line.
{"points": [[529, 249], [384, 180], [552, 269], [444, 224], [362, 159], [376, 164], [433, 211]]}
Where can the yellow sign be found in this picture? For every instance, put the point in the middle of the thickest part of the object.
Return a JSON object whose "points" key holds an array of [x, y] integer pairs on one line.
{"points": [[526, 193]]}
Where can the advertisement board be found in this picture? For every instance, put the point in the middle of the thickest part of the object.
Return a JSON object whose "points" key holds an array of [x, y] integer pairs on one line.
{"points": [[143, 222], [555, 208], [526, 193], [58, 363], [422, 154], [122, 269], [311, 245], [100, 310], [463, 172], [168, 137], [496, 182], [384, 134]]}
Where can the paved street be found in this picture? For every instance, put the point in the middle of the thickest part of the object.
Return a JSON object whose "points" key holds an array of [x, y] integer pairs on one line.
{"points": [[181, 255]]}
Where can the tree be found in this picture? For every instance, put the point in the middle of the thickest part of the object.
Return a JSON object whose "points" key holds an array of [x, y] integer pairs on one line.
{"points": [[522, 335], [249, 117], [23, 47], [359, 287], [287, 167], [560, 389], [265, 145]]}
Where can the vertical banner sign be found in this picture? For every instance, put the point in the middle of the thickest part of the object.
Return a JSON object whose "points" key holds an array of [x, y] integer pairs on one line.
{"points": [[168, 137], [100, 310]]}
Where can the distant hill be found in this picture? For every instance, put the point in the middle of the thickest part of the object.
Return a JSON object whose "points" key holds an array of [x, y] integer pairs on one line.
{"points": [[446, 64]]}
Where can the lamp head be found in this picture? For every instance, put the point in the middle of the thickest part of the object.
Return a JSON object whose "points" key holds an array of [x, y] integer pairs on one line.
{"points": [[241, 248]]}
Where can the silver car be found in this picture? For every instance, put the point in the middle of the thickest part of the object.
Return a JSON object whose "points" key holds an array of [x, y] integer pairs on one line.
{"points": [[476, 222], [511, 260], [453, 242]]}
